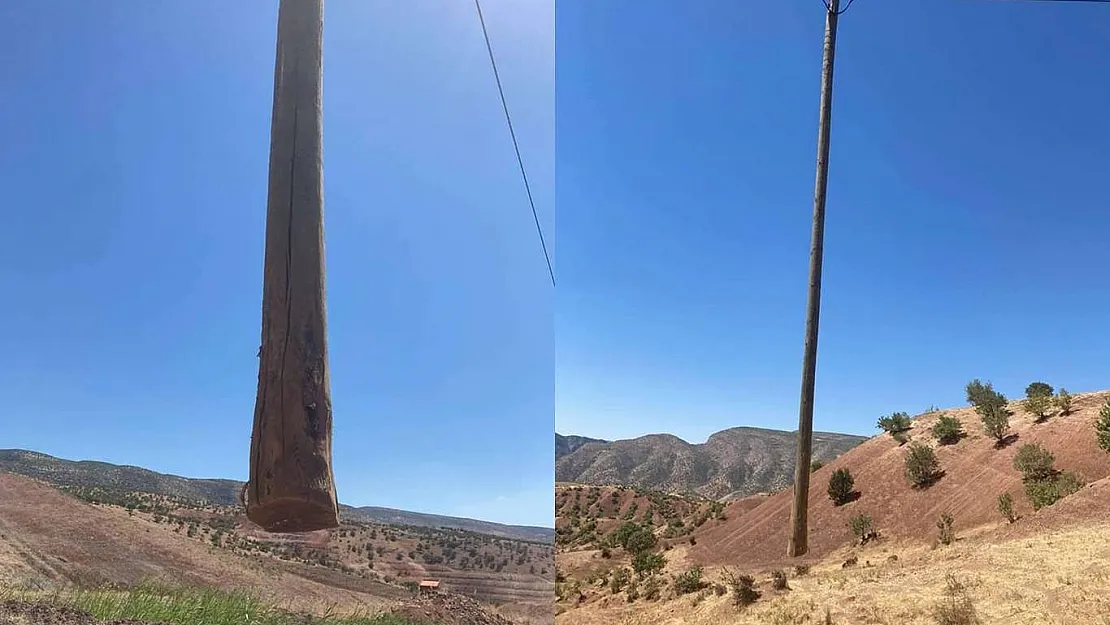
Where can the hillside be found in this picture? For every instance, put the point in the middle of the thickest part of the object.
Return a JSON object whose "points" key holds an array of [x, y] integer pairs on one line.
{"points": [[976, 472], [217, 492], [567, 444], [733, 463], [90, 536]]}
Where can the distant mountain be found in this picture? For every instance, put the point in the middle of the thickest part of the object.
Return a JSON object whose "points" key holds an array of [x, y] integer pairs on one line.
{"points": [[568, 444], [733, 463], [61, 472]]}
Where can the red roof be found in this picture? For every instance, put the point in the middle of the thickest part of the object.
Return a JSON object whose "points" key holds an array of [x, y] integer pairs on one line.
{"points": [[429, 584]]}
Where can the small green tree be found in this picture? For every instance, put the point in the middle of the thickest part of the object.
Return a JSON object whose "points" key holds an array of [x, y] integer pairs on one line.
{"points": [[1102, 427], [689, 581], [1038, 406], [946, 534], [895, 423], [1047, 492], [646, 563], [1006, 507], [948, 430], [1035, 463], [983, 396], [815, 465], [841, 484], [922, 468], [862, 527], [1039, 389], [996, 422], [1062, 401]]}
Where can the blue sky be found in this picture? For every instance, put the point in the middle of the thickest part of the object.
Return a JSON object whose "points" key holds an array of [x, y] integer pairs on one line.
{"points": [[966, 226], [134, 168]]}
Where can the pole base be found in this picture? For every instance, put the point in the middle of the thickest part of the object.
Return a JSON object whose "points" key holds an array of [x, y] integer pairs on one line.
{"points": [[292, 515]]}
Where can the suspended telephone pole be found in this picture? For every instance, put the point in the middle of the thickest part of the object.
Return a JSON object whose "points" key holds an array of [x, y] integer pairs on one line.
{"points": [[799, 517]]}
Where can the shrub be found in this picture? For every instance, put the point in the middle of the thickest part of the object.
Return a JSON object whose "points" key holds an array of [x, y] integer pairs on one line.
{"points": [[652, 588], [778, 580], [634, 538], [801, 570], [1034, 462], [743, 589], [897, 422], [1047, 492], [1038, 406], [1102, 427], [862, 527], [922, 468], [1006, 507], [689, 581], [996, 422], [647, 564], [815, 465], [948, 430], [1062, 401], [901, 438], [983, 396], [946, 535], [956, 608], [1039, 389], [840, 486]]}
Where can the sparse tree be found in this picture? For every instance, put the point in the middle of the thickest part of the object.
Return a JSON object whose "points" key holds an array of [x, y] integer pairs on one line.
{"points": [[1035, 463], [1039, 389], [922, 467], [841, 484], [948, 430], [743, 589], [946, 534], [895, 423], [1062, 401], [983, 396], [862, 527], [646, 563], [1102, 427], [1038, 405], [996, 422], [1006, 507]]}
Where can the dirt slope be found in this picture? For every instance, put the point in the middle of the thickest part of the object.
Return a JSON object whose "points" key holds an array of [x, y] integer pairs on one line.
{"points": [[46, 535], [975, 474]]}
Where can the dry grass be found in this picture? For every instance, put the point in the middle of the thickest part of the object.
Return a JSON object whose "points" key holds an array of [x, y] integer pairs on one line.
{"points": [[1057, 578]]}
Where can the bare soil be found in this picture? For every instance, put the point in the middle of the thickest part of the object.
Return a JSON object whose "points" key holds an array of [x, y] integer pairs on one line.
{"points": [[23, 613]]}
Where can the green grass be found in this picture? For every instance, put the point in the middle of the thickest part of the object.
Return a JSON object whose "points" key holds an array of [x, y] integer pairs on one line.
{"points": [[181, 606]]}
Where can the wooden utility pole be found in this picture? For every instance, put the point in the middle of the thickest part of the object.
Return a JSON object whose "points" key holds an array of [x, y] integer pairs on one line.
{"points": [[799, 517], [291, 486]]}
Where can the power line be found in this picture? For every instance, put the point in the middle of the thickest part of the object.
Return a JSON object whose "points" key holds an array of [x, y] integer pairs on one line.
{"points": [[516, 146]]}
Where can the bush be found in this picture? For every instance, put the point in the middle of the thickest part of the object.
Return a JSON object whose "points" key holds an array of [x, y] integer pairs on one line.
{"points": [[1102, 427], [1034, 462], [946, 535], [956, 608], [897, 422], [996, 422], [948, 430], [801, 570], [688, 582], [634, 538], [901, 438], [1062, 401], [1038, 406], [652, 588], [1047, 492], [647, 564], [778, 580], [815, 465], [862, 527], [983, 396], [840, 486], [619, 580], [1039, 389], [1006, 507], [922, 468], [743, 589]]}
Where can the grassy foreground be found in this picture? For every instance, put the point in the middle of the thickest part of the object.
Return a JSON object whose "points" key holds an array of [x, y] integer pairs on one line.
{"points": [[181, 606]]}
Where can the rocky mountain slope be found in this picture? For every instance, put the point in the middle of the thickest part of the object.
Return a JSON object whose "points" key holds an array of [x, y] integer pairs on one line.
{"points": [[733, 463], [217, 492]]}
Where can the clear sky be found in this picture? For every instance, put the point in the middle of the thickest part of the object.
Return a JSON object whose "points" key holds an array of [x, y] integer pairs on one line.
{"points": [[136, 139], [967, 209]]}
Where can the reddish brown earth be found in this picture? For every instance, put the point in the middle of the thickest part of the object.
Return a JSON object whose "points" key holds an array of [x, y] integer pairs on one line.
{"points": [[48, 536], [975, 473]]}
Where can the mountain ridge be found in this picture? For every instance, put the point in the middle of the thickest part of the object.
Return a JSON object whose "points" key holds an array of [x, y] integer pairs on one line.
{"points": [[732, 463], [64, 472]]}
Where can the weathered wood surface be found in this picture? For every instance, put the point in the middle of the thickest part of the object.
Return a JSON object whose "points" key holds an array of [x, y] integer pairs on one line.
{"points": [[291, 486]]}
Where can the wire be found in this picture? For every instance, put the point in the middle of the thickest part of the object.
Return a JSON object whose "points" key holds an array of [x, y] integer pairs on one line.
{"points": [[828, 7], [516, 146]]}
